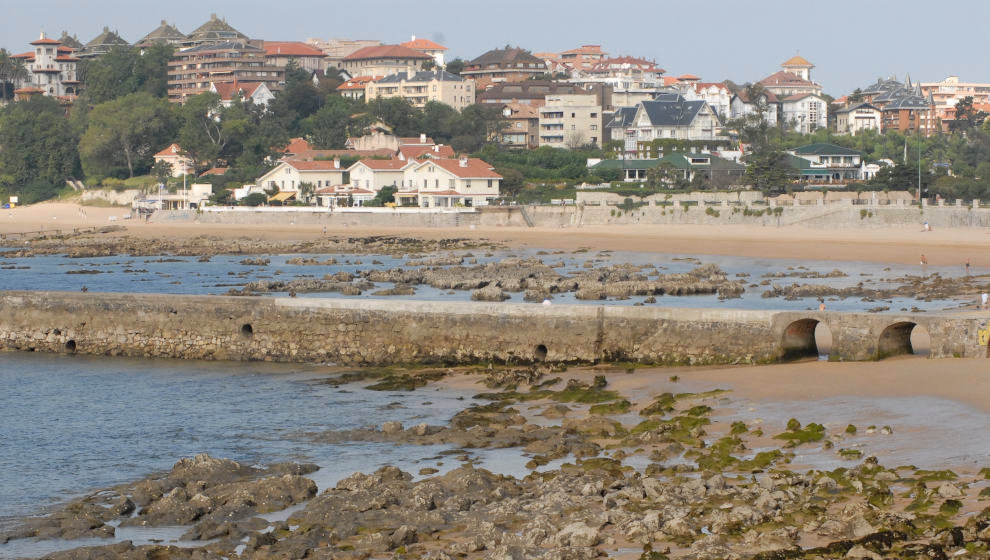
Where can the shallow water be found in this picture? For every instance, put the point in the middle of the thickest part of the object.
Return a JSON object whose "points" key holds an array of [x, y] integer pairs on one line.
{"points": [[185, 275]]}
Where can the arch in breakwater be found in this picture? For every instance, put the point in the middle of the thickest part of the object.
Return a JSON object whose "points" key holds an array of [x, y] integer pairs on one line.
{"points": [[903, 337], [805, 338]]}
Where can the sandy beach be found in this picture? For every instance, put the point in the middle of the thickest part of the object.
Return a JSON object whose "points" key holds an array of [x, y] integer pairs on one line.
{"points": [[902, 245]]}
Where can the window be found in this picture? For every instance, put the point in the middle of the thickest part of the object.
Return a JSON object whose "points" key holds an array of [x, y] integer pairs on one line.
{"points": [[467, 183], [594, 115], [451, 184], [490, 183], [594, 127], [436, 183], [573, 115]]}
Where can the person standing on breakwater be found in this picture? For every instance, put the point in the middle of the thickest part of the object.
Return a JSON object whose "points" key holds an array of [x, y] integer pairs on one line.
{"points": [[967, 267], [983, 300]]}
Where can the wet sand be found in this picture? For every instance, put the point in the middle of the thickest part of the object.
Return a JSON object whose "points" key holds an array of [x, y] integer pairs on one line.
{"points": [[903, 245]]}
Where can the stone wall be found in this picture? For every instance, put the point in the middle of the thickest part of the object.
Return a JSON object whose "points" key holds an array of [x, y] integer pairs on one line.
{"points": [[350, 331]]}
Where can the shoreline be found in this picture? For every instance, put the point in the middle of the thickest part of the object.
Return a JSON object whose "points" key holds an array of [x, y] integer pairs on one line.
{"points": [[902, 245]]}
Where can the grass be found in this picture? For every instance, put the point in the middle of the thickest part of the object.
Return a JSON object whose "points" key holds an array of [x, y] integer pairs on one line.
{"points": [[796, 435], [616, 407]]}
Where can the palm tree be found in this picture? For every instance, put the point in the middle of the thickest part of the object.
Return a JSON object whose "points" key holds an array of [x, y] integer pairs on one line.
{"points": [[12, 71]]}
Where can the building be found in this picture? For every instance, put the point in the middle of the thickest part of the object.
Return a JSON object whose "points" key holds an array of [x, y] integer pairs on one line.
{"points": [[180, 163], [857, 117], [582, 59], [793, 79], [373, 174], [384, 60], [669, 116], [444, 183], [192, 71], [307, 57], [51, 70], [950, 91], [102, 44], [164, 34], [354, 88], [571, 121], [419, 88], [631, 79], [716, 94], [910, 114], [808, 112], [528, 92], [70, 41], [214, 32], [428, 47], [504, 65], [827, 163], [289, 174], [522, 125], [379, 140], [686, 166], [423, 152], [336, 49], [256, 92]]}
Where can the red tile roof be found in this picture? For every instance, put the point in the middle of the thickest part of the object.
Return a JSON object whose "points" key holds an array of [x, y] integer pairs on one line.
{"points": [[297, 145], [475, 168], [215, 171], [784, 78], [688, 77], [291, 48], [585, 49], [415, 141], [358, 82], [227, 90], [27, 55], [313, 154], [423, 44], [386, 51], [384, 164], [314, 165], [46, 41], [416, 152], [172, 149]]}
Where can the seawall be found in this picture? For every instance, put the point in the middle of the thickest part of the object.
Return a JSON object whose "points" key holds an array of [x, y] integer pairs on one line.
{"points": [[352, 331]]}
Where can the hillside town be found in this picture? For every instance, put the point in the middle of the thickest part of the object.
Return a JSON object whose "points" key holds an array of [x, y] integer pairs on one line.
{"points": [[346, 122]]}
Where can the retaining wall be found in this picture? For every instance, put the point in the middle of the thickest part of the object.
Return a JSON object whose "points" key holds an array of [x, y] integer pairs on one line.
{"points": [[350, 331]]}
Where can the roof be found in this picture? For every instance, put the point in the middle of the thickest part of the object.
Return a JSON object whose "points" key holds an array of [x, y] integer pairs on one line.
{"points": [[474, 169], [688, 77], [639, 63], [224, 46], [424, 76], [416, 152], [786, 79], [623, 117], [313, 165], [172, 149], [677, 159], [228, 90], [528, 89], [106, 37], [585, 49], [215, 29], [45, 41], [358, 82], [743, 96], [672, 113], [699, 86], [386, 51], [856, 106], [797, 61], [415, 141], [522, 111], [165, 32], [70, 41], [315, 154], [297, 145], [825, 149], [291, 48], [383, 164], [423, 44], [282, 196], [513, 55], [800, 96], [215, 171]]}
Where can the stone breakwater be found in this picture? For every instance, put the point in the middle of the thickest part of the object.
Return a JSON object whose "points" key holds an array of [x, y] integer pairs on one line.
{"points": [[362, 332]]}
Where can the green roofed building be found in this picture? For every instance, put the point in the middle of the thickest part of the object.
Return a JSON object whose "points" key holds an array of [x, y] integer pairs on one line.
{"points": [[685, 164], [826, 163], [102, 44]]}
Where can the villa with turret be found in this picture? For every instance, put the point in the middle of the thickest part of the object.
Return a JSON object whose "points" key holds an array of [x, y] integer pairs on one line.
{"points": [[51, 70]]}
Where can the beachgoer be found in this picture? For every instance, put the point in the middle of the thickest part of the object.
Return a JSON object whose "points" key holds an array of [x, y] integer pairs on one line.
{"points": [[983, 300], [924, 227], [546, 302], [967, 267], [924, 260], [821, 306]]}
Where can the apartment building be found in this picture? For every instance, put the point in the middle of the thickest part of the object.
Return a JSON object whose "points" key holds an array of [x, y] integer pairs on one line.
{"points": [[384, 60], [102, 44], [307, 57], [426, 46], [419, 88], [164, 34], [571, 121], [191, 71], [337, 49], [522, 126], [950, 91], [504, 65]]}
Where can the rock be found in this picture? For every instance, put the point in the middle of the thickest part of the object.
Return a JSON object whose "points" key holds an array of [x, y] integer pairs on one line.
{"points": [[859, 552], [578, 534], [402, 536], [678, 527], [948, 490], [392, 428]]}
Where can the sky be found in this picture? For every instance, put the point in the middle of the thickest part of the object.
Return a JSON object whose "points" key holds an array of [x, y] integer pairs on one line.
{"points": [[851, 42]]}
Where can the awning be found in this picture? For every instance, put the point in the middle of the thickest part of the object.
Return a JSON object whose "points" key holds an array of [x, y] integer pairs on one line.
{"points": [[282, 196]]}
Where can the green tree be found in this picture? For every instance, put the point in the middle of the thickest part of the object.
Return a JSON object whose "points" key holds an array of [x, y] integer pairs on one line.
{"points": [[254, 199], [328, 128], [455, 66], [162, 170], [39, 148], [12, 71], [202, 133], [512, 181], [384, 196], [769, 171], [125, 132], [124, 70], [663, 175], [397, 113], [856, 96], [297, 100], [967, 117]]}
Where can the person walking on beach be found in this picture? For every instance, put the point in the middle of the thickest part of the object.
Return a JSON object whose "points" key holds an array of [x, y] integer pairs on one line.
{"points": [[983, 300], [924, 265], [967, 267]]}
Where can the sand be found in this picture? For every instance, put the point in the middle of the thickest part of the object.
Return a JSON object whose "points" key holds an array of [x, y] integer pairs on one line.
{"points": [[902, 245]]}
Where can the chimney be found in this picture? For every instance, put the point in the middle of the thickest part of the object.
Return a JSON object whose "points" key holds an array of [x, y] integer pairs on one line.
{"points": [[422, 139], [413, 37], [436, 148], [463, 161], [336, 163]]}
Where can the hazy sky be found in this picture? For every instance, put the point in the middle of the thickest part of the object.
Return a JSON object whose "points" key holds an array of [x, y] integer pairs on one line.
{"points": [[851, 42]]}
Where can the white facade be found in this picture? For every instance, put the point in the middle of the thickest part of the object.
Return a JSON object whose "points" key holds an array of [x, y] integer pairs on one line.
{"points": [[447, 183], [51, 69], [740, 108], [372, 174], [703, 126], [807, 112], [857, 118], [288, 175], [717, 96]]}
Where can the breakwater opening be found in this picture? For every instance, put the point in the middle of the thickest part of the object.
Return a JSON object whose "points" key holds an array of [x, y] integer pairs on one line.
{"points": [[380, 332]]}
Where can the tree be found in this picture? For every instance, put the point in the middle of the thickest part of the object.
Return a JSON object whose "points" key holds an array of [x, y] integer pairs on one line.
{"points": [[967, 117], [12, 72], [769, 171], [397, 113], [512, 181], [306, 190], [202, 133], [254, 199], [328, 128], [162, 170], [384, 196], [856, 96], [455, 66], [39, 148], [124, 70], [297, 100], [126, 132], [663, 175]]}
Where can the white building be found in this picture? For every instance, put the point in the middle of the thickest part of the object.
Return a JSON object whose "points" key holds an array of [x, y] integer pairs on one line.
{"points": [[51, 70], [257, 92], [856, 118], [289, 174], [669, 116], [180, 163], [716, 94], [454, 182], [808, 112], [373, 174], [571, 121], [766, 104]]}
